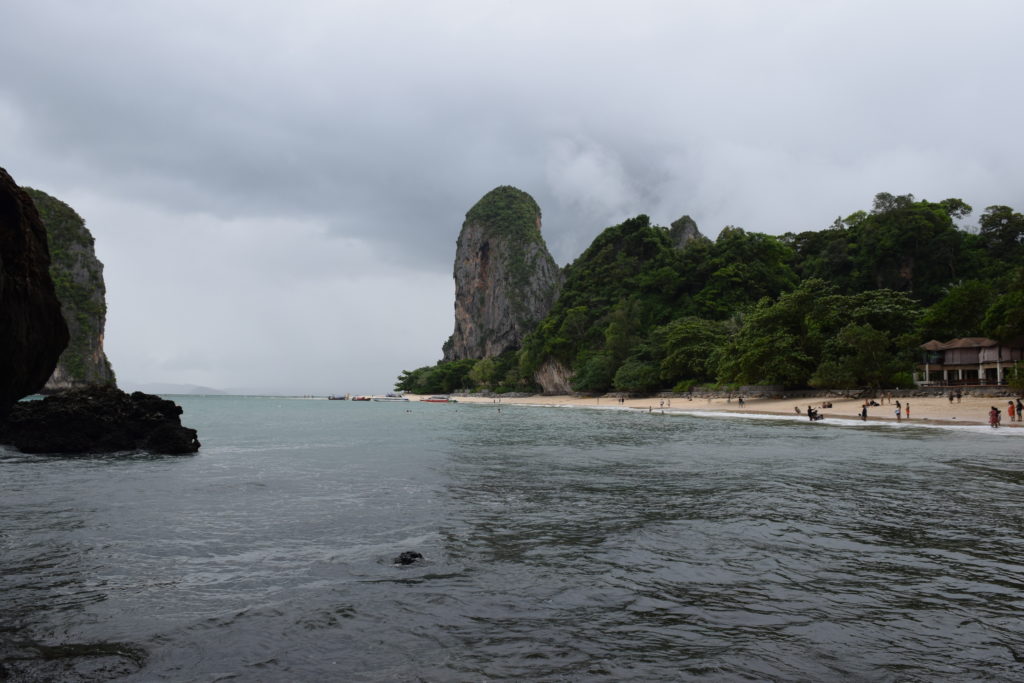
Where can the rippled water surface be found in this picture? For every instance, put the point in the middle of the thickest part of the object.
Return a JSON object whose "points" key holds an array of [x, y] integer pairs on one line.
{"points": [[559, 544]]}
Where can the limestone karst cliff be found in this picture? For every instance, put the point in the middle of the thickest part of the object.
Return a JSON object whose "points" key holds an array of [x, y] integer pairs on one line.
{"points": [[684, 231], [505, 279], [78, 277], [32, 331]]}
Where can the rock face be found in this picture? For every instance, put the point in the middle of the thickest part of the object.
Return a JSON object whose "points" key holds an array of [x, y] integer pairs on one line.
{"points": [[554, 378], [684, 231], [99, 419], [78, 277], [32, 331], [408, 557], [505, 279]]}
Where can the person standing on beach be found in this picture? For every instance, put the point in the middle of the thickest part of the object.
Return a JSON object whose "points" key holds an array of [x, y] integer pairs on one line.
{"points": [[1011, 410], [950, 398], [993, 417], [1020, 410], [864, 412], [907, 409], [958, 395]]}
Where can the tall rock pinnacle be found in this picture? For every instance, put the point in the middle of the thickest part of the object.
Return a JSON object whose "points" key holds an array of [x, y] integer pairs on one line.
{"points": [[78, 277], [683, 232], [505, 279]]}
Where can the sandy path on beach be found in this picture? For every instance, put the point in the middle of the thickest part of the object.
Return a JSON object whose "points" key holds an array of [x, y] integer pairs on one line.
{"points": [[970, 410]]}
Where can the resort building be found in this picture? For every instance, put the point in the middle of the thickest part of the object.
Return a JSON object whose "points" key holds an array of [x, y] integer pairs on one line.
{"points": [[967, 360]]}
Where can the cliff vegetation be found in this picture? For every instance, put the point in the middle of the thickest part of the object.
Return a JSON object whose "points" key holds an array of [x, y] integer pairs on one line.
{"points": [[642, 310], [78, 277]]}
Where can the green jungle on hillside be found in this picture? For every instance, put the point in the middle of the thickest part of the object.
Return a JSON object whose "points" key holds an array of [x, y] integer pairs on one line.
{"points": [[843, 307]]}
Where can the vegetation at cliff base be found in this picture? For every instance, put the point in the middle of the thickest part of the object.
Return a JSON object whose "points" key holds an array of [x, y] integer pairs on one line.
{"points": [[847, 306]]}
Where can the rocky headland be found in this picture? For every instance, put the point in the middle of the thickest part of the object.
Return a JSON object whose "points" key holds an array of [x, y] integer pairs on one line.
{"points": [[99, 419], [94, 417], [32, 330], [78, 278]]}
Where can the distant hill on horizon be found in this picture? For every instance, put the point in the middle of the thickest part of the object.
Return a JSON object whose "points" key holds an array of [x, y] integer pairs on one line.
{"points": [[161, 388], [169, 388]]}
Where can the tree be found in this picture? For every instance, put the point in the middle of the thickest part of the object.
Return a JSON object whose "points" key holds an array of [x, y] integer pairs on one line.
{"points": [[637, 375], [595, 371], [627, 282], [1004, 319], [859, 355], [1002, 231], [741, 268], [689, 348], [443, 378], [956, 207], [780, 341], [812, 333], [483, 373], [823, 254], [959, 313], [886, 202], [909, 247]]}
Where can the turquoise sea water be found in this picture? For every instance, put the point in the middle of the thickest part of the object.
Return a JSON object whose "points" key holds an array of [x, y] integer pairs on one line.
{"points": [[559, 544]]}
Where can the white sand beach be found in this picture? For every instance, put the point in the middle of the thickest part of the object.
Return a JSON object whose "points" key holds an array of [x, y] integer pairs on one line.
{"points": [[971, 410]]}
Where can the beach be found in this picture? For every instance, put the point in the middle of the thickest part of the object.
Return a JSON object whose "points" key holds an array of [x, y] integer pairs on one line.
{"points": [[970, 410]]}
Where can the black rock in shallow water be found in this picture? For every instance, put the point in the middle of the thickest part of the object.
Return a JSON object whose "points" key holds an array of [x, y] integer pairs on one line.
{"points": [[408, 557], [98, 420]]}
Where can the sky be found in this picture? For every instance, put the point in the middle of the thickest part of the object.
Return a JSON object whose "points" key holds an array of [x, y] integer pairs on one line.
{"points": [[276, 188]]}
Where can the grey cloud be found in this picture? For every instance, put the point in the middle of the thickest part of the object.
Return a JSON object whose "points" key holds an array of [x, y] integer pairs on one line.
{"points": [[383, 124]]}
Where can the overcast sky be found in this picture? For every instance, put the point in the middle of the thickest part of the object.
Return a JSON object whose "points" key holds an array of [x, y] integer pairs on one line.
{"points": [[276, 188]]}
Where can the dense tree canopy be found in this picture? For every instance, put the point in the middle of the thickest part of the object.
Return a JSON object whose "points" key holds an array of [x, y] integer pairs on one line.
{"points": [[846, 306]]}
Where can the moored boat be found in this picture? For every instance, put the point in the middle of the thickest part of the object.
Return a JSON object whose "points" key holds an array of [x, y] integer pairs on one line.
{"points": [[439, 399], [390, 397]]}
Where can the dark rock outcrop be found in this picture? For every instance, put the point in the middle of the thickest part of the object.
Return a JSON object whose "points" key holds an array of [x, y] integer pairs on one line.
{"points": [[32, 331], [78, 277], [505, 279], [684, 231], [99, 419], [409, 557]]}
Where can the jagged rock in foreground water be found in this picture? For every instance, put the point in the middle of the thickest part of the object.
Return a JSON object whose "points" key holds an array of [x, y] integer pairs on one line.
{"points": [[98, 420], [32, 330], [408, 557]]}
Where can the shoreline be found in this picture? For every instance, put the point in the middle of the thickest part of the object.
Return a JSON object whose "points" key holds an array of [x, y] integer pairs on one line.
{"points": [[924, 410]]}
